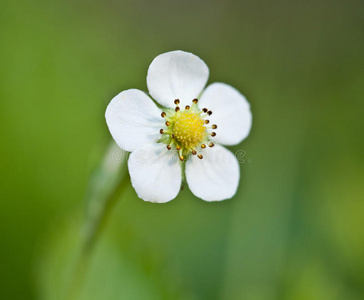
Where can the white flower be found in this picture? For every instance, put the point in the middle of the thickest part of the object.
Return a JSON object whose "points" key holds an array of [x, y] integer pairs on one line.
{"points": [[185, 135]]}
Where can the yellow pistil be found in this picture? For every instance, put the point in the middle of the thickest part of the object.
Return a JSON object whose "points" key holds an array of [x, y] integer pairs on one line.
{"points": [[188, 129]]}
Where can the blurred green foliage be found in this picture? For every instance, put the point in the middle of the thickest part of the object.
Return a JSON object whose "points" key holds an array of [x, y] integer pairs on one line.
{"points": [[295, 228]]}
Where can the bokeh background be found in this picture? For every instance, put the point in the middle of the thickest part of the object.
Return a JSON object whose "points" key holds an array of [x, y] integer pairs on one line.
{"points": [[295, 228]]}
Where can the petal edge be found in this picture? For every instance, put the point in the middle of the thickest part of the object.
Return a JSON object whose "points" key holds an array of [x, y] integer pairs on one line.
{"points": [[133, 119], [216, 176], [176, 75], [231, 113], [155, 173]]}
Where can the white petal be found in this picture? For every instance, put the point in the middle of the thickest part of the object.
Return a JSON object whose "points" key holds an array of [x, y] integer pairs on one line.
{"points": [[216, 176], [230, 112], [133, 119], [176, 75], [155, 173]]}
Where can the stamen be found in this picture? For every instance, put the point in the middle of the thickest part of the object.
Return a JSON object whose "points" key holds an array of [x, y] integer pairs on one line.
{"points": [[187, 129]]}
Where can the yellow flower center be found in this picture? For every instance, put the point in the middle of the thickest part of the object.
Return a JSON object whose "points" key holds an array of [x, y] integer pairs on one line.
{"points": [[189, 129]]}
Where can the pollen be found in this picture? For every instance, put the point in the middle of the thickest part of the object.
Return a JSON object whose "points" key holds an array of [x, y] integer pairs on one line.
{"points": [[189, 129]]}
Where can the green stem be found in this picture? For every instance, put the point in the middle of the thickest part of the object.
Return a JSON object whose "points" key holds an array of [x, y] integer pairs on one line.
{"points": [[107, 183], [97, 226], [183, 169]]}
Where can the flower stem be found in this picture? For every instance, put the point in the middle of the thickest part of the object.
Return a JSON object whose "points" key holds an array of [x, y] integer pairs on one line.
{"points": [[106, 185], [183, 168]]}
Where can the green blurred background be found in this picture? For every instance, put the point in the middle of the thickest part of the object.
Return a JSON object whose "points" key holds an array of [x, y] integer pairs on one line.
{"points": [[295, 228]]}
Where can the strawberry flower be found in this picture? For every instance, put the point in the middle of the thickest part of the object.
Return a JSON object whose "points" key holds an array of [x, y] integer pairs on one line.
{"points": [[183, 139]]}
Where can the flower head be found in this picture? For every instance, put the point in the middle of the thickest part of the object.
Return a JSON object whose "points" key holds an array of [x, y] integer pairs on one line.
{"points": [[185, 135]]}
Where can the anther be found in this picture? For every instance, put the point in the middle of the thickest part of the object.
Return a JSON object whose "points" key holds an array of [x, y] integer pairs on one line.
{"points": [[214, 126], [207, 121], [177, 108], [172, 136], [213, 134], [178, 147], [203, 146], [181, 158], [205, 110], [187, 107], [194, 152], [161, 131], [163, 114], [200, 156], [195, 100], [176, 101], [209, 112], [169, 147], [211, 145], [167, 123]]}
